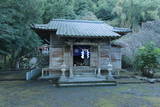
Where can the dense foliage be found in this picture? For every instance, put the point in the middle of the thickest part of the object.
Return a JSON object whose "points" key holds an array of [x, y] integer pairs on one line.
{"points": [[147, 58], [17, 40], [149, 31], [16, 37]]}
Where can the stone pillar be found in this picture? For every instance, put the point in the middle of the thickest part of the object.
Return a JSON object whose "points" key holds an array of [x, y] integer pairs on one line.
{"points": [[63, 69], [110, 68]]}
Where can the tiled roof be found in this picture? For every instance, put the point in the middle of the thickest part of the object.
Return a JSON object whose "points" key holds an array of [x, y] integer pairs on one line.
{"points": [[117, 29], [79, 28]]}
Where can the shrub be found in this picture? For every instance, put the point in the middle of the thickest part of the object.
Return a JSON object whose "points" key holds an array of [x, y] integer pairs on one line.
{"points": [[43, 61], [127, 62], [147, 59]]}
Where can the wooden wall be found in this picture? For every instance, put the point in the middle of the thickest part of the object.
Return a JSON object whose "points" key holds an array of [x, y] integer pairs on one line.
{"points": [[116, 57], [56, 52], [93, 56], [60, 52], [106, 53]]}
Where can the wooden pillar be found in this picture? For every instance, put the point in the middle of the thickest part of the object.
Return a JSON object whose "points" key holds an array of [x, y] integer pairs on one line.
{"points": [[42, 72], [63, 66], [71, 61], [64, 56], [110, 49], [50, 51], [99, 62]]}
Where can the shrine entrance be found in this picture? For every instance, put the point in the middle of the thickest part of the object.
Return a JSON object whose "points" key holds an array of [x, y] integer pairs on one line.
{"points": [[81, 55]]}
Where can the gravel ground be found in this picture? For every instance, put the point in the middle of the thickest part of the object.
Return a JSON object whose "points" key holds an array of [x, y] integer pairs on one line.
{"points": [[44, 94]]}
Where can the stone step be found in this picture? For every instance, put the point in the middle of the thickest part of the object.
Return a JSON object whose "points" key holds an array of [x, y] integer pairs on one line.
{"points": [[87, 83], [81, 76], [89, 75], [82, 73]]}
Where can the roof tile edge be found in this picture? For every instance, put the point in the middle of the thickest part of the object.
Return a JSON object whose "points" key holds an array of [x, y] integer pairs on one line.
{"points": [[79, 21]]}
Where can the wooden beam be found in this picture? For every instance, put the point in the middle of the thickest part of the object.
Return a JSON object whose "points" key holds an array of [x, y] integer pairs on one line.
{"points": [[82, 43]]}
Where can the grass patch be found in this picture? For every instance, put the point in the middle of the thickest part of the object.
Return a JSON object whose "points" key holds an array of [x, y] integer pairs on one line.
{"points": [[19, 75], [129, 73], [157, 75], [105, 103], [154, 100], [40, 94]]}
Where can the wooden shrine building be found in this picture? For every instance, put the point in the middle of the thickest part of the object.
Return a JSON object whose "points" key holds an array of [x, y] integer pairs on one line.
{"points": [[80, 47]]}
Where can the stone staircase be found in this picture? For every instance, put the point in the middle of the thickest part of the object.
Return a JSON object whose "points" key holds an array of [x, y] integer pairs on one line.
{"points": [[85, 79], [86, 83], [85, 74]]}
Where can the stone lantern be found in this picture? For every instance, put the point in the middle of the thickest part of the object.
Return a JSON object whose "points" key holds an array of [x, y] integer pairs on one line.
{"points": [[110, 68], [63, 69]]}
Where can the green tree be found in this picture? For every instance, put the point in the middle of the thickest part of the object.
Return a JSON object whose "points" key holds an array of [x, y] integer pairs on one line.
{"points": [[58, 9], [131, 13], [147, 58], [16, 37], [104, 9]]}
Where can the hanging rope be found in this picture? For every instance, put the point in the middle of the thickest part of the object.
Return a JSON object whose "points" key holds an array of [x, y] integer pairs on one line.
{"points": [[83, 53]]}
